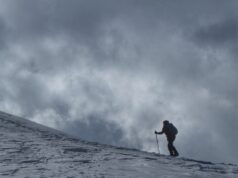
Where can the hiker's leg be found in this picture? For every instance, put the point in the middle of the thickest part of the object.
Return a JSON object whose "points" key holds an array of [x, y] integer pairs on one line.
{"points": [[175, 152], [170, 147]]}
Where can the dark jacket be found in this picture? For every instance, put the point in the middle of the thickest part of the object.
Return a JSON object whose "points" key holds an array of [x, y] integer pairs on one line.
{"points": [[167, 132]]}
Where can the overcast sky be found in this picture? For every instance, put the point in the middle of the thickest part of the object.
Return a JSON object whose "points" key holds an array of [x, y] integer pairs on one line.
{"points": [[111, 71]]}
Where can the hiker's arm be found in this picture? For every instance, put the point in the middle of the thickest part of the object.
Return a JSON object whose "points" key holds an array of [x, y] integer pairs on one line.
{"points": [[160, 132]]}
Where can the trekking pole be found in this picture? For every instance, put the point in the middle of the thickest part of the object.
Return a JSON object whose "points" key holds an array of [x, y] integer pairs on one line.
{"points": [[157, 141]]}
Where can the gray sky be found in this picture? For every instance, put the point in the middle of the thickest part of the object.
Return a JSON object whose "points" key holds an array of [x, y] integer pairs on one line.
{"points": [[111, 71]]}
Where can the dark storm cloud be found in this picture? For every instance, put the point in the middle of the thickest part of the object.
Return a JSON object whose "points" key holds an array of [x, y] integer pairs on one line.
{"points": [[219, 34], [2, 34], [94, 125], [52, 17], [112, 71]]}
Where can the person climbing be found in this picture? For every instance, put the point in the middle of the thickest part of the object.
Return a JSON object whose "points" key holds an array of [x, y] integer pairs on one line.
{"points": [[170, 131]]}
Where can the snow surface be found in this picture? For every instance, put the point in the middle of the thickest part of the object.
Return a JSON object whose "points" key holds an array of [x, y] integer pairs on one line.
{"points": [[31, 150]]}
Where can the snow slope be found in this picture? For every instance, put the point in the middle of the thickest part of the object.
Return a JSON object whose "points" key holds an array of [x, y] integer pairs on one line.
{"points": [[31, 150]]}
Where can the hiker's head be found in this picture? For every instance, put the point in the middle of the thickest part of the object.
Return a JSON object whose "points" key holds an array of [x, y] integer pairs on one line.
{"points": [[166, 122]]}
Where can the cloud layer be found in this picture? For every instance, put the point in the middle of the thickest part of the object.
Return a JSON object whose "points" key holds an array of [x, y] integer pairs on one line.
{"points": [[113, 71]]}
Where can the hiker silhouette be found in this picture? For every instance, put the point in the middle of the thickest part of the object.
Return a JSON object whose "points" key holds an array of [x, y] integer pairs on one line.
{"points": [[170, 131]]}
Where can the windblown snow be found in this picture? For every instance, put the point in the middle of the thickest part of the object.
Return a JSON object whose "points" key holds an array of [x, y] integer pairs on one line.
{"points": [[31, 150]]}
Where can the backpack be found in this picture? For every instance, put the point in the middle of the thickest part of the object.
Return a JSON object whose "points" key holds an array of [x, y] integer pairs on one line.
{"points": [[173, 130]]}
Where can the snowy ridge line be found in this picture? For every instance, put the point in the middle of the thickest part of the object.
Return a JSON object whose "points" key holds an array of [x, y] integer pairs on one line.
{"points": [[28, 123], [42, 128], [39, 127], [31, 150]]}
